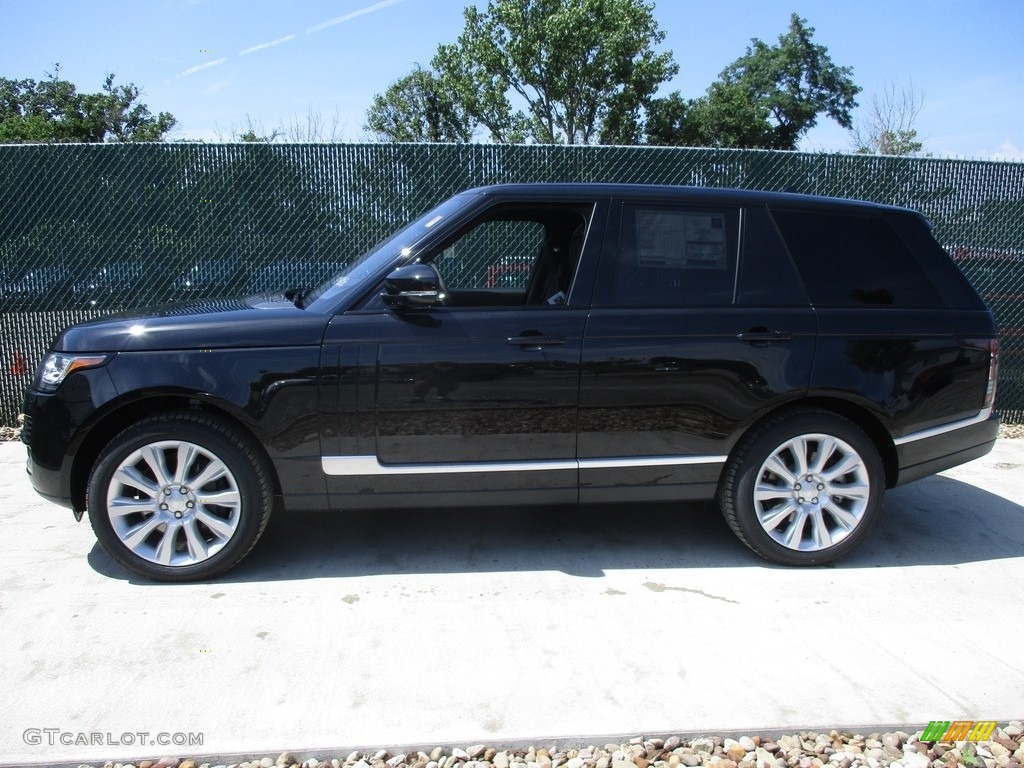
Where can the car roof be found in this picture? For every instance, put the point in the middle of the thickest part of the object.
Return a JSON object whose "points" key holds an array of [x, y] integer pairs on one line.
{"points": [[680, 193]]}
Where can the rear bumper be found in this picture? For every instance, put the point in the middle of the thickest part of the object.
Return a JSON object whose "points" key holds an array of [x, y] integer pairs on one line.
{"points": [[933, 450]]}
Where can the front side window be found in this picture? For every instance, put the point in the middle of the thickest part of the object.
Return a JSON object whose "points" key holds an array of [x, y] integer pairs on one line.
{"points": [[674, 256], [494, 254], [514, 255], [350, 279]]}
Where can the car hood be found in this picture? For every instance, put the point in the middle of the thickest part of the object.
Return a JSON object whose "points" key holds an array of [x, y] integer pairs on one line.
{"points": [[257, 321]]}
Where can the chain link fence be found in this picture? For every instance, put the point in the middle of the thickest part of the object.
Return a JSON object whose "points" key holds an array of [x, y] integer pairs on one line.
{"points": [[90, 229]]}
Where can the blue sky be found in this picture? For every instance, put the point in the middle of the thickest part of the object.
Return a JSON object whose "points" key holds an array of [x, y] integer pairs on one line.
{"points": [[217, 63]]}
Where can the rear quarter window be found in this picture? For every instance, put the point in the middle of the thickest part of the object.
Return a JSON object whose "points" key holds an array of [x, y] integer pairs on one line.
{"points": [[943, 271], [854, 259]]}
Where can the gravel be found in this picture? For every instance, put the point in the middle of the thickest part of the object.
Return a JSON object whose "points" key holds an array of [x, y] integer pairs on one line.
{"points": [[807, 749], [11, 433], [1011, 431]]}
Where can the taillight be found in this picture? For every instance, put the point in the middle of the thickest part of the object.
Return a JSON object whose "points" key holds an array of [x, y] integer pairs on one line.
{"points": [[992, 346]]}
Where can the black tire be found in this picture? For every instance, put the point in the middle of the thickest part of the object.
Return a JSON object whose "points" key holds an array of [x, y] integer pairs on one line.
{"points": [[808, 518], [164, 529]]}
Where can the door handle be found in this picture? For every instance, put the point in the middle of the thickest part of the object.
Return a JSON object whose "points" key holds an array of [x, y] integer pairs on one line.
{"points": [[764, 336], [534, 342]]}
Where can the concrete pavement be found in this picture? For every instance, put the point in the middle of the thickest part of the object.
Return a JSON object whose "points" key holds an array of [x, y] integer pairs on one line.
{"points": [[501, 626]]}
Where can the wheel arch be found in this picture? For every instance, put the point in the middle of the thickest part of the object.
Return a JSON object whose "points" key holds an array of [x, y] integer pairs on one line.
{"points": [[869, 422], [114, 421]]}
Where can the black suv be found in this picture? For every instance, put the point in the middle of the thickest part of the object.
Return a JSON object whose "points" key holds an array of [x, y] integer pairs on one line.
{"points": [[790, 356]]}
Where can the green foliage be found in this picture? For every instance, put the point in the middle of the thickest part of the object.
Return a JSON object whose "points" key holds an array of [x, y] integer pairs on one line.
{"points": [[668, 121], [544, 71], [417, 108], [729, 116], [251, 137], [125, 118], [768, 98], [53, 110]]}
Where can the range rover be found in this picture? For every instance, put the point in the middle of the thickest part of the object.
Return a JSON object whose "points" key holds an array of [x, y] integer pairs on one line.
{"points": [[791, 357]]}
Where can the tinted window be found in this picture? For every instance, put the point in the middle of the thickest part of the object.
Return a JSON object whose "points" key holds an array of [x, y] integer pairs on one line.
{"points": [[850, 260], [767, 274], [350, 279], [672, 256], [943, 271], [514, 255], [495, 254]]}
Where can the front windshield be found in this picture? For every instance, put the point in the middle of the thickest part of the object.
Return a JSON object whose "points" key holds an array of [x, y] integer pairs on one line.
{"points": [[354, 275]]}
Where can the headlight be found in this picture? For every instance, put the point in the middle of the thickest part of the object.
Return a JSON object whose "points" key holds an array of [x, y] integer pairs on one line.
{"points": [[58, 366]]}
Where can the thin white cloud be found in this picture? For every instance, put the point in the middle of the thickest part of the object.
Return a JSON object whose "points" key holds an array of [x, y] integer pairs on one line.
{"points": [[1008, 151], [353, 15], [201, 67], [264, 46], [288, 38], [218, 86]]}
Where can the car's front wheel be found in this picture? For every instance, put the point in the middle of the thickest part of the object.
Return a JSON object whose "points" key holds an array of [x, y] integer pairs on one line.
{"points": [[179, 497], [804, 488]]}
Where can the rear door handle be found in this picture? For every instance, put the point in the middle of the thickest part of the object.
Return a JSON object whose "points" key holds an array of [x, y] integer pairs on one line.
{"points": [[763, 336]]}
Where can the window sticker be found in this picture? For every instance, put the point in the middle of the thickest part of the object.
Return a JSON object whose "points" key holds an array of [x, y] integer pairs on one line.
{"points": [[680, 240]]}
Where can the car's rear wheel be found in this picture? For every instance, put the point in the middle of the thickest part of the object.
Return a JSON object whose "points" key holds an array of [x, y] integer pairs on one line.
{"points": [[179, 497], [804, 488]]}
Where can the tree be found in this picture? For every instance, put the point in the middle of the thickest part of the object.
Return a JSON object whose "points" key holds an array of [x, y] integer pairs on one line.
{"points": [[53, 110], [546, 71], [888, 128], [254, 133], [727, 117], [312, 128], [417, 108], [668, 121], [123, 117], [769, 97]]}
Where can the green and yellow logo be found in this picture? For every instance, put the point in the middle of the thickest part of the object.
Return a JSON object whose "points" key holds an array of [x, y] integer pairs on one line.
{"points": [[958, 730]]}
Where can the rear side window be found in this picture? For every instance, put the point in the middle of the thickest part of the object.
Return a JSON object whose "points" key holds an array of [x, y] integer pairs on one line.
{"points": [[767, 274], [674, 256], [849, 260]]}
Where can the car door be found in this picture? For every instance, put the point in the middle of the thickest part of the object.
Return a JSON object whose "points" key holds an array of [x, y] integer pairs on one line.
{"points": [[699, 326], [444, 405]]}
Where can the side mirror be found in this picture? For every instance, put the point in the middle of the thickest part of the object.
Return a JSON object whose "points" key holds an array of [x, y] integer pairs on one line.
{"points": [[414, 285]]}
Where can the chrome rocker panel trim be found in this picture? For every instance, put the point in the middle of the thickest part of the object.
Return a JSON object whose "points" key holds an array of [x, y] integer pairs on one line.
{"points": [[352, 466]]}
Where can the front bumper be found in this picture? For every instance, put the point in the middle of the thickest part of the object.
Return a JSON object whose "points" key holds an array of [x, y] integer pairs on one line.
{"points": [[48, 484], [46, 470], [55, 426]]}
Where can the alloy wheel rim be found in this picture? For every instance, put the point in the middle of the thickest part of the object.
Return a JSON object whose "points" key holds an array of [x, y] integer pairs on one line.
{"points": [[812, 492], [174, 503]]}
